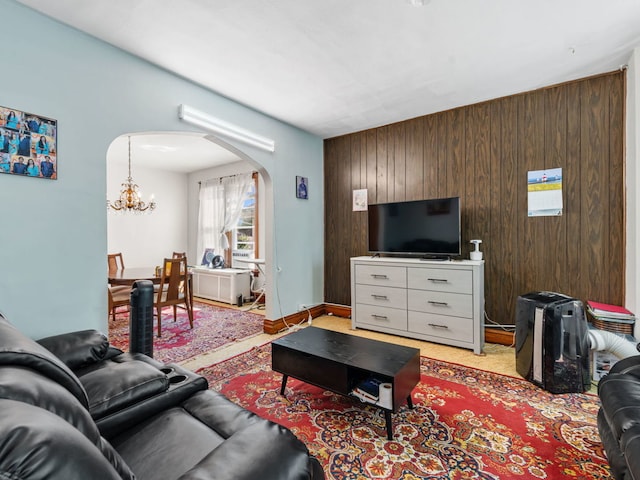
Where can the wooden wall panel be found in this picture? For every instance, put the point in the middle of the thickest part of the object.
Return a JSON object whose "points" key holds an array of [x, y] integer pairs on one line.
{"points": [[455, 130], [616, 230], [330, 226], [335, 179], [414, 175], [467, 200], [359, 219], [555, 107], [382, 166], [572, 186], [371, 162], [504, 240], [482, 153], [480, 194], [594, 174], [400, 166]]}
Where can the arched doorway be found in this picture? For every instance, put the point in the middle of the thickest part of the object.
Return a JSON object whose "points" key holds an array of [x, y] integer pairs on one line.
{"points": [[170, 165]]}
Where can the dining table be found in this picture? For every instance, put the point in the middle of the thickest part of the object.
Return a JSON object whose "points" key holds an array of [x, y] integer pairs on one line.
{"points": [[128, 276]]}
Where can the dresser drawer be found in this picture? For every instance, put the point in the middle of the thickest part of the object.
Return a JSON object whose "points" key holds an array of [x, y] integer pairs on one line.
{"points": [[373, 315], [440, 280], [440, 303], [449, 328], [381, 275], [381, 296]]}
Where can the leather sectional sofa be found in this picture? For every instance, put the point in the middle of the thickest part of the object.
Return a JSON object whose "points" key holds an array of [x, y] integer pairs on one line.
{"points": [[619, 417], [72, 407]]}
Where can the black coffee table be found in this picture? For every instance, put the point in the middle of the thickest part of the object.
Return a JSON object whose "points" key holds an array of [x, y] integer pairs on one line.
{"points": [[339, 362]]}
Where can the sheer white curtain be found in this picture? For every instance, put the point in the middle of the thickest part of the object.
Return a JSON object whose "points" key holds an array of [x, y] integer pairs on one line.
{"points": [[221, 202], [235, 190], [210, 216]]}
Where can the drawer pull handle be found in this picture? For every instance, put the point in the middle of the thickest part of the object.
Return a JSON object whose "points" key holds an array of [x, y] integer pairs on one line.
{"points": [[379, 276], [379, 297], [435, 325], [438, 280], [438, 304], [379, 317]]}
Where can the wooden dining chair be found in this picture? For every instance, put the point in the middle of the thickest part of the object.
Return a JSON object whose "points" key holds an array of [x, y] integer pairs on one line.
{"points": [[174, 255], [187, 285], [118, 296], [115, 261], [174, 275]]}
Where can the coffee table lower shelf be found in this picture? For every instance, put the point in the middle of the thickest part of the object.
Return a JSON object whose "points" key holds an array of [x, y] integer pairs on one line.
{"points": [[387, 412]]}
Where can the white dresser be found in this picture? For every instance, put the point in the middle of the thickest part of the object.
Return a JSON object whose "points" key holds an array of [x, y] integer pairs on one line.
{"points": [[221, 284], [438, 301]]}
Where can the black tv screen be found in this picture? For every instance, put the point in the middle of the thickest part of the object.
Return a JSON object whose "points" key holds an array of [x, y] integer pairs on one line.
{"points": [[422, 227]]}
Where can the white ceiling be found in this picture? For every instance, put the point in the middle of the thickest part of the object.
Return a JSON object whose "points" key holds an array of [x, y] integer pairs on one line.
{"points": [[337, 66], [176, 152]]}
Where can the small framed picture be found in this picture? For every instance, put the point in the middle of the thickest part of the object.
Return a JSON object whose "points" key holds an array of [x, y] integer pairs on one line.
{"points": [[360, 200], [302, 187]]}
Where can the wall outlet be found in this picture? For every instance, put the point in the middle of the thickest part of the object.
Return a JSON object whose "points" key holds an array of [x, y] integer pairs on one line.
{"points": [[301, 306]]}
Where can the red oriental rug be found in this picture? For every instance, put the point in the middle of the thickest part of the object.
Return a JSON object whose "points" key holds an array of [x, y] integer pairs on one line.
{"points": [[213, 327], [466, 423]]}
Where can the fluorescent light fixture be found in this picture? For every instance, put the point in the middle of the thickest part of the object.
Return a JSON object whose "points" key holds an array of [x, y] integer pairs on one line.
{"points": [[158, 148], [215, 125]]}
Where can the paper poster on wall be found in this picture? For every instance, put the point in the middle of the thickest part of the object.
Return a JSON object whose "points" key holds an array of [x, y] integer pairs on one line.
{"points": [[360, 200], [544, 192]]}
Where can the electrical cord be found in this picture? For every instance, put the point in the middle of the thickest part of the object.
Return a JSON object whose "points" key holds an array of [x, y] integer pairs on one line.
{"points": [[494, 324], [505, 328]]}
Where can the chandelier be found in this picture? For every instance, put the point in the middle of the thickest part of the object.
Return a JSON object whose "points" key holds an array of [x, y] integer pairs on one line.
{"points": [[130, 199]]}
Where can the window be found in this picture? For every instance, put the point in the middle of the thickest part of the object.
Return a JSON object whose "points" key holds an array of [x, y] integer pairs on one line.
{"points": [[244, 237]]}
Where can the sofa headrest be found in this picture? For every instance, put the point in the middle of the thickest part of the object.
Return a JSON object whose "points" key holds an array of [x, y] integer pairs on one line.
{"points": [[77, 349], [28, 386], [19, 350]]}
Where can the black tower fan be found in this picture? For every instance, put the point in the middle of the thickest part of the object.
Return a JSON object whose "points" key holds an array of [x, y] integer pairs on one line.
{"points": [[141, 324], [552, 345]]}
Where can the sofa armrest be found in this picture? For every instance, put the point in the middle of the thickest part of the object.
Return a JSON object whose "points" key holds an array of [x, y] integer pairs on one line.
{"points": [[130, 388], [77, 349], [263, 450], [630, 365], [121, 385]]}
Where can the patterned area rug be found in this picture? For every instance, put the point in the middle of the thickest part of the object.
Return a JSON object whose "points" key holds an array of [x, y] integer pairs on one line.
{"points": [[465, 424], [213, 327]]}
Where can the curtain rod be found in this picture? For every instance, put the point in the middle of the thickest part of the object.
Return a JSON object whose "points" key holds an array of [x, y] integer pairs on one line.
{"points": [[227, 176]]}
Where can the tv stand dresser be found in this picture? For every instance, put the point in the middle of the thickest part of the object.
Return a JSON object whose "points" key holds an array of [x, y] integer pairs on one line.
{"points": [[441, 302]]}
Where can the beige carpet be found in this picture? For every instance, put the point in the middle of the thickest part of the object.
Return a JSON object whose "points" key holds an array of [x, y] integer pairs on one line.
{"points": [[495, 358]]}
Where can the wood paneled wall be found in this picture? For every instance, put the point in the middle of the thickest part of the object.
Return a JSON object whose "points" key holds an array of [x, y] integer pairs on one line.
{"points": [[482, 153]]}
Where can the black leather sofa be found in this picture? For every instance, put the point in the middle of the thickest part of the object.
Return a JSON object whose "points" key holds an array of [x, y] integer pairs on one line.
{"points": [[619, 417], [72, 407]]}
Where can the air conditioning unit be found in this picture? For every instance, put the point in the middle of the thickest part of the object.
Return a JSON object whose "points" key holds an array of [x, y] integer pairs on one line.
{"points": [[552, 345]]}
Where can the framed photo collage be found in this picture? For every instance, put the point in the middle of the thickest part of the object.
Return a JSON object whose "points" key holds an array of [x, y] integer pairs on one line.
{"points": [[28, 144]]}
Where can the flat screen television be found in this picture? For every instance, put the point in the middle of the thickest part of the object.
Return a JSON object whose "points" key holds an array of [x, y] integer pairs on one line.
{"points": [[430, 228]]}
